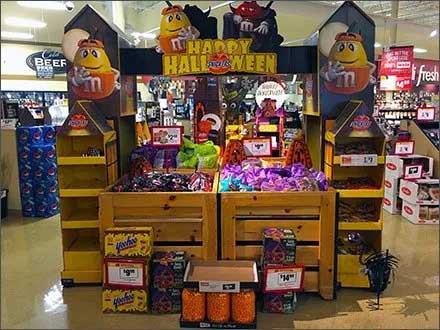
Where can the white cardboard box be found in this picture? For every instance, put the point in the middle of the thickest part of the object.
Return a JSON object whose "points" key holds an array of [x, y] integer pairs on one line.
{"points": [[392, 203], [394, 165], [409, 191], [391, 185], [420, 214]]}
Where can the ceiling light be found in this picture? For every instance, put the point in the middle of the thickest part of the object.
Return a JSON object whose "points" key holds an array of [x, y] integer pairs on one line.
{"points": [[49, 5], [388, 15], [25, 22], [16, 35], [377, 45], [420, 50], [433, 33]]}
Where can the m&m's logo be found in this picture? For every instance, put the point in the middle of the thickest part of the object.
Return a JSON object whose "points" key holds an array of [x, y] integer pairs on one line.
{"points": [[391, 166], [406, 191], [408, 210]]}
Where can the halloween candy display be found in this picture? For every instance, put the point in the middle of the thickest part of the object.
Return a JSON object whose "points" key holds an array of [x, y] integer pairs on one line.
{"points": [[243, 306], [165, 300], [193, 305], [354, 183], [279, 302], [193, 155], [358, 212], [128, 241], [250, 176], [162, 182], [124, 301], [218, 307], [355, 148]]}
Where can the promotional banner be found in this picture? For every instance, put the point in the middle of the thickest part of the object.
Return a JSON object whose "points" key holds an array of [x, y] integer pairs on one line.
{"points": [[425, 72], [396, 69]]}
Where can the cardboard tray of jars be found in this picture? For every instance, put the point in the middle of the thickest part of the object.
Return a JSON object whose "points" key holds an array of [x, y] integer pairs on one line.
{"points": [[310, 214], [183, 221]]}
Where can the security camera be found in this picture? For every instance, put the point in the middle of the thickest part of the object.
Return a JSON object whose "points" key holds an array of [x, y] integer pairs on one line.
{"points": [[69, 5]]}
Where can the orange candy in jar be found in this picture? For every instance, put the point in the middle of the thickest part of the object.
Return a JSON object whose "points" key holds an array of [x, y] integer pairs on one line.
{"points": [[193, 305], [219, 307], [243, 307]]}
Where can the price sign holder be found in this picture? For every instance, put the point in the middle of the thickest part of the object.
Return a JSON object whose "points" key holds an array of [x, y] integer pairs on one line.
{"points": [[125, 273], [404, 148], [413, 171], [283, 278], [358, 160], [426, 114], [167, 137], [258, 147]]}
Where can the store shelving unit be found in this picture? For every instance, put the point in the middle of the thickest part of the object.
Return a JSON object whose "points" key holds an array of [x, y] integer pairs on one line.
{"points": [[81, 179], [356, 125]]}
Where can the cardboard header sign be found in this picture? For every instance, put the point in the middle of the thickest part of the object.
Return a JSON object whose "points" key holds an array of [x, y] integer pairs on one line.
{"points": [[216, 56]]}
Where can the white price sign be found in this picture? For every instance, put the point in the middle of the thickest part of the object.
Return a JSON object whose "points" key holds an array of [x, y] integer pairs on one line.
{"points": [[426, 114], [257, 147], [359, 160], [404, 148], [280, 279], [8, 123], [219, 286], [167, 136], [125, 274]]}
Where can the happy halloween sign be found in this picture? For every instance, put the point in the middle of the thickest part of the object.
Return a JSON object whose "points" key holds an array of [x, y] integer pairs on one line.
{"points": [[218, 57]]}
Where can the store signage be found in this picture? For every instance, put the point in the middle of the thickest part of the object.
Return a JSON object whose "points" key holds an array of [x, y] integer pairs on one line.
{"points": [[358, 160], [283, 279], [270, 90], [396, 69], [412, 172], [218, 56], [257, 147], [361, 123], [78, 121], [426, 114], [404, 148], [47, 63], [219, 286], [125, 273], [425, 72], [8, 123], [167, 136]]}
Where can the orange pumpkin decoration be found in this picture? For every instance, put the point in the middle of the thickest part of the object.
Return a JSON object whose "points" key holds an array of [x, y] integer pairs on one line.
{"points": [[298, 153], [234, 153], [219, 63]]}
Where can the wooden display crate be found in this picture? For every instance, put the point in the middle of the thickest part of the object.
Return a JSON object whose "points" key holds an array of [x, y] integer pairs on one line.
{"points": [[311, 215], [183, 221]]}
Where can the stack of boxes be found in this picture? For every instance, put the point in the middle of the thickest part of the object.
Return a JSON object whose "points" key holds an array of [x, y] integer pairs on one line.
{"points": [[279, 248], [394, 171], [167, 273], [420, 201], [37, 167], [127, 251]]}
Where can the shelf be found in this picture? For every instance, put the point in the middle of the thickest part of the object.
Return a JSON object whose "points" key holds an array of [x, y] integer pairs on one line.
{"points": [[360, 193], [366, 225], [80, 192], [82, 219], [78, 160], [337, 160]]}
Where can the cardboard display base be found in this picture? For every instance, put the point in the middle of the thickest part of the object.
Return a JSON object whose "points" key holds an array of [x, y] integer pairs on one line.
{"points": [[213, 325]]}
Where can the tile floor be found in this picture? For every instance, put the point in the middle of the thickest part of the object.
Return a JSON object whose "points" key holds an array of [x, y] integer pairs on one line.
{"points": [[32, 297]]}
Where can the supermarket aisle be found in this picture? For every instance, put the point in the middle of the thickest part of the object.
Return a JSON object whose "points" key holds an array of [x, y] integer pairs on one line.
{"points": [[32, 296]]}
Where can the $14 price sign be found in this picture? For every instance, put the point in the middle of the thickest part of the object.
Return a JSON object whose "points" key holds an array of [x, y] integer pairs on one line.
{"points": [[359, 160], [283, 279]]}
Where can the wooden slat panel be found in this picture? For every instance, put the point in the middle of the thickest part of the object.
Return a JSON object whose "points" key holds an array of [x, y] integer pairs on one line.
{"points": [[158, 199], [163, 232], [306, 255], [158, 212], [267, 210], [251, 230], [192, 252], [311, 283], [272, 199]]}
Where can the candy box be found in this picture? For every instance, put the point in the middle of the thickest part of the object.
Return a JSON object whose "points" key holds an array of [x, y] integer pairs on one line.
{"points": [[392, 203], [394, 165], [420, 214], [126, 273], [168, 269], [166, 300], [279, 302], [421, 191], [279, 246], [391, 185], [124, 301], [128, 241]]}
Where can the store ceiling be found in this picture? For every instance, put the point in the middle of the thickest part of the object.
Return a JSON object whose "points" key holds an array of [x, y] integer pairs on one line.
{"points": [[296, 19]]}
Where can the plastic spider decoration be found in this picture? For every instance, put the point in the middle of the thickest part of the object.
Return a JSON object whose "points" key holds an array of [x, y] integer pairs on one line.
{"points": [[379, 266]]}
